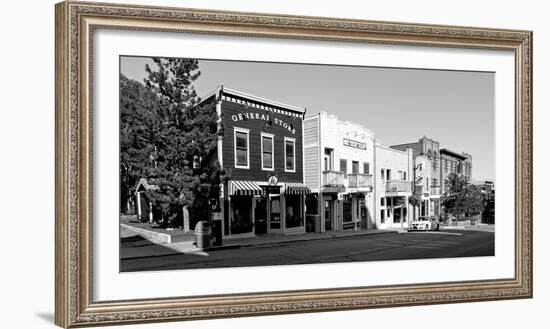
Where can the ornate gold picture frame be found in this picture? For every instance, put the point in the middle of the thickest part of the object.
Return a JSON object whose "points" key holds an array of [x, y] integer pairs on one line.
{"points": [[75, 25]]}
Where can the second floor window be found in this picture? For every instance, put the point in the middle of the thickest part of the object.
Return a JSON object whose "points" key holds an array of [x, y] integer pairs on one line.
{"points": [[267, 152], [241, 148], [366, 168], [344, 167], [328, 159], [290, 155], [355, 167]]}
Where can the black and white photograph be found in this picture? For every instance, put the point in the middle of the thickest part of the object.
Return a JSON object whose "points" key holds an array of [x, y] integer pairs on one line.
{"points": [[240, 163]]}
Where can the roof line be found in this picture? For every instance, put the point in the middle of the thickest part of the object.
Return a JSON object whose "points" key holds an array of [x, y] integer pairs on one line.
{"points": [[447, 151], [263, 100]]}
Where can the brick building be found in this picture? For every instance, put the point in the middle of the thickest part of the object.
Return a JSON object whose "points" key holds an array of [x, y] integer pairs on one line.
{"points": [[437, 164]]}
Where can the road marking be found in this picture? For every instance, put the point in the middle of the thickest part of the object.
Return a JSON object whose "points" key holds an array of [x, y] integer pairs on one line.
{"points": [[423, 247], [198, 253], [432, 232]]}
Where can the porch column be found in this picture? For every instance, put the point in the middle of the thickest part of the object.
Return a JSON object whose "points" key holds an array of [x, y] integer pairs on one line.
{"points": [[222, 207], [354, 212], [150, 212], [321, 206], [282, 203], [230, 213], [401, 215], [253, 214], [138, 203], [406, 206]]}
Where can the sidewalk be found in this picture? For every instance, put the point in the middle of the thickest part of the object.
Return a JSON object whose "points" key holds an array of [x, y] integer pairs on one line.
{"points": [[142, 249], [478, 227]]}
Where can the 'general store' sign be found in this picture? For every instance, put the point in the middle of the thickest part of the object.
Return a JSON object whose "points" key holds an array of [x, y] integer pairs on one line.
{"points": [[264, 117]]}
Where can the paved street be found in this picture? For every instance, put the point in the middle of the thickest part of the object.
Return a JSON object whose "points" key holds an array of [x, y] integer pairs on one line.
{"points": [[414, 245]]}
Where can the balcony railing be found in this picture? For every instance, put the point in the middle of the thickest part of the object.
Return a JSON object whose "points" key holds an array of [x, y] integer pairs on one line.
{"points": [[435, 190], [359, 180], [398, 186], [333, 178]]}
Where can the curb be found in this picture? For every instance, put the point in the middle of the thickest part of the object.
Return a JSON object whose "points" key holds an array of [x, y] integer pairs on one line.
{"points": [[262, 244], [156, 237], [315, 239], [175, 253]]}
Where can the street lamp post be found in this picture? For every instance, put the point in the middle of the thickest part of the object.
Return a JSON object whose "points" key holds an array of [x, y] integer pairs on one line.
{"points": [[415, 168]]}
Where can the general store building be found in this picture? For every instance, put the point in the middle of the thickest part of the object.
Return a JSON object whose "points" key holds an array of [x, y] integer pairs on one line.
{"points": [[262, 152]]}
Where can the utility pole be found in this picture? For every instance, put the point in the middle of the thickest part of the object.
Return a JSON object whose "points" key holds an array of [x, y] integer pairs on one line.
{"points": [[415, 168]]}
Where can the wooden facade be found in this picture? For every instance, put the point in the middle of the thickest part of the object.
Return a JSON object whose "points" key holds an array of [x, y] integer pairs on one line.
{"points": [[251, 203], [258, 120]]}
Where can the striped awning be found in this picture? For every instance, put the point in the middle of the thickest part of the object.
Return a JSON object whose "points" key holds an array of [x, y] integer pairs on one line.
{"points": [[296, 188], [244, 187]]}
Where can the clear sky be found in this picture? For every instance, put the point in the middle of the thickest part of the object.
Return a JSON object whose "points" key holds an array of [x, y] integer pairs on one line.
{"points": [[398, 105]]}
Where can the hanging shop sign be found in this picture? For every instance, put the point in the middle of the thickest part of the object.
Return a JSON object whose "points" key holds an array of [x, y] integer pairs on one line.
{"points": [[272, 187]]}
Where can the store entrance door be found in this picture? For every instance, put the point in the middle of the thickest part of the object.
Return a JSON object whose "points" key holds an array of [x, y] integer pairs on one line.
{"points": [[260, 216], [274, 216], [329, 214]]}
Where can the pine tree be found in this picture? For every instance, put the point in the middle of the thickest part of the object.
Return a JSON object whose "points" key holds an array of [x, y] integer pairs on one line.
{"points": [[138, 115], [184, 142]]}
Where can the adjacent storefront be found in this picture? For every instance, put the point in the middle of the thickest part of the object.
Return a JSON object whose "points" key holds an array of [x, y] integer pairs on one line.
{"points": [[340, 158]]}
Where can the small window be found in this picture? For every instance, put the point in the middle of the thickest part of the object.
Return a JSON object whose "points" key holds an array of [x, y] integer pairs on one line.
{"points": [[267, 152], [382, 202], [355, 167], [241, 149], [366, 168], [290, 154], [382, 216], [382, 174], [344, 167]]}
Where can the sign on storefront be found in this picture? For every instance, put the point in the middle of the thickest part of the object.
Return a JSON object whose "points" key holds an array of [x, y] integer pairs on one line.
{"points": [[355, 144]]}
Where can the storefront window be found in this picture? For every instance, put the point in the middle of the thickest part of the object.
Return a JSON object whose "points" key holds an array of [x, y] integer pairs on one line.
{"points": [[242, 216], [312, 204], [347, 209], [397, 215], [293, 215]]}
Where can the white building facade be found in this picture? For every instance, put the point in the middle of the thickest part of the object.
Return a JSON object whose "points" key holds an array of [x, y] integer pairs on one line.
{"points": [[338, 169], [393, 187]]}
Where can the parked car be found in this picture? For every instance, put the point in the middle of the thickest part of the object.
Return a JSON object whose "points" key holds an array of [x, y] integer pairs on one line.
{"points": [[424, 223]]}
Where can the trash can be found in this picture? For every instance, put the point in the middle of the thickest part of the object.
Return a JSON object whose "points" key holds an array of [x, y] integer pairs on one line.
{"points": [[202, 235]]}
